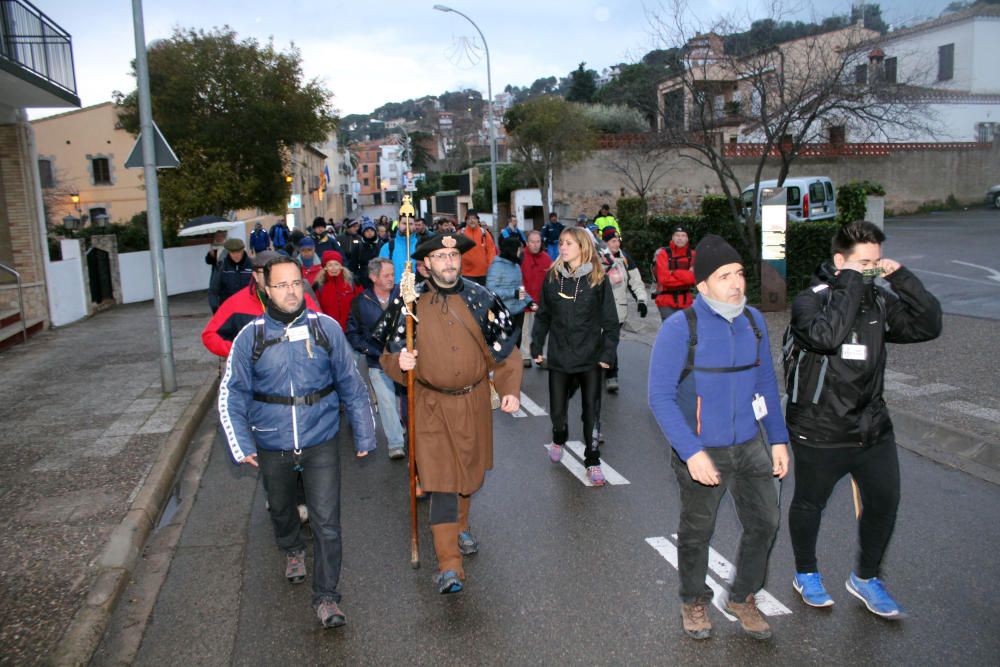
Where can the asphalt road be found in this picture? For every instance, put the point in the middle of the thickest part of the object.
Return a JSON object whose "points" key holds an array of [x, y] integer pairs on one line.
{"points": [[956, 254], [565, 574]]}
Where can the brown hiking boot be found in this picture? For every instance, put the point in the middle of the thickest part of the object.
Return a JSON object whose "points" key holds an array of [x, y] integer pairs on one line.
{"points": [[750, 618], [696, 623]]}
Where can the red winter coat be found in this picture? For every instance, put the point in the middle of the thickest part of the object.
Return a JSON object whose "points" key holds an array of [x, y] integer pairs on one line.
{"points": [[674, 276], [235, 313], [335, 296], [533, 268]]}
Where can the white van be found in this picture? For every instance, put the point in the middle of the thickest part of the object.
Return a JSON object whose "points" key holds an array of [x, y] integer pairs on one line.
{"points": [[809, 198]]}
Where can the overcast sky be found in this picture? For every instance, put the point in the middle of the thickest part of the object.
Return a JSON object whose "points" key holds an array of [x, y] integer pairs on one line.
{"points": [[370, 52]]}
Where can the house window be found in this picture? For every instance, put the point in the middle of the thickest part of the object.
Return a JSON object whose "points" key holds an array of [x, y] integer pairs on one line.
{"points": [[364, 168], [98, 216], [101, 170], [366, 182], [946, 62], [890, 70], [45, 176], [838, 134], [861, 74]]}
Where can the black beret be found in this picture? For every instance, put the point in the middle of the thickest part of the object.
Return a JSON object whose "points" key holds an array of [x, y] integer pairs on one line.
{"points": [[460, 242]]}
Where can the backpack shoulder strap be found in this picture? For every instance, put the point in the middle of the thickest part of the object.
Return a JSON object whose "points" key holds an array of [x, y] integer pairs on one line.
{"points": [[259, 342], [312, 320], [692, 321]]}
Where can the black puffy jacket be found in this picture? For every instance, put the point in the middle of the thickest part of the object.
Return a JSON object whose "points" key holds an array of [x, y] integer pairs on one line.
{"points": [[837, 402], [581, 331], [229, 279]]}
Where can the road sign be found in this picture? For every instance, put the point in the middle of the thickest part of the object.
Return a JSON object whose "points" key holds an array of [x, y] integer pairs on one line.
{"points": [[165, 156], [295, 201]]}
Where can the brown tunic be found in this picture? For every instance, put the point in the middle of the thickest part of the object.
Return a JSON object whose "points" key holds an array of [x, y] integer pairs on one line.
{"points": [[454, 434]]}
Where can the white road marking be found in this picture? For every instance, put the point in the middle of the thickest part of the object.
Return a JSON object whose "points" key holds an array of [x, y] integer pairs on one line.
{"points": [[899, 377], [768, 605], [993, 273], [669, 553], [579, 471], [954, 277], [610, 474], [923, 390], [973, 410], [527, 404]]}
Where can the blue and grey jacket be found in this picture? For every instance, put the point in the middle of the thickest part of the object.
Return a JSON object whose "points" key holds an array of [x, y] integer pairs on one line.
{"points": [[713, 409], [300, 371], [503, 278]]}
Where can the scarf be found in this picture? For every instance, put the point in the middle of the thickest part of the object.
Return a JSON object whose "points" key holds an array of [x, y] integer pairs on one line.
{"points": [[730, 311]]}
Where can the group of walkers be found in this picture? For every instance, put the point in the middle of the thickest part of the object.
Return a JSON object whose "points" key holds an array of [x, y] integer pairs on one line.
{"points": [[473, 300]]}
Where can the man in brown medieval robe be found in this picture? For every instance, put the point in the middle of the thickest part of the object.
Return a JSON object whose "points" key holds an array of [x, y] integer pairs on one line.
{"points": [[463, 332]]}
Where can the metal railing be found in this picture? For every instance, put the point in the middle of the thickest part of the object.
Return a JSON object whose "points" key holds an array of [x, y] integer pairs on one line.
{"points": [[34, 41], [20, 299]]}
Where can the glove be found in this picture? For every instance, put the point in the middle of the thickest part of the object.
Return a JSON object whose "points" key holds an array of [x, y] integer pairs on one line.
{"points": [[643, 310]]}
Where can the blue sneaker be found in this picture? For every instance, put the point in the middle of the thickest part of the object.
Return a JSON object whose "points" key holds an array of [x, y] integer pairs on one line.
{"points": [[448, 582], [810, 586], [876, 598]]}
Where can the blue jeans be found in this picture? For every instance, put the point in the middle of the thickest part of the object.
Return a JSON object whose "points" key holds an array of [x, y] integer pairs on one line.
{"points": [[321, 477], [388, 412], [746, 472]]}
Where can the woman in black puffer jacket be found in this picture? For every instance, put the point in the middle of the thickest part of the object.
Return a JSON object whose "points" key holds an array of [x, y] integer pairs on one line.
{"points": [[577, 313]]}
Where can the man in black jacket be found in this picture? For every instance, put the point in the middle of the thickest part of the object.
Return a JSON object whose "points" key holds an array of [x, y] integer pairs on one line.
{"points": [[235, 272], [839, 425]]}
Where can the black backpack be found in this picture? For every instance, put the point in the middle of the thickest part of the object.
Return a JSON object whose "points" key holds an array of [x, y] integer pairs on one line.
{"points": [[692, 321], [260, 343]]}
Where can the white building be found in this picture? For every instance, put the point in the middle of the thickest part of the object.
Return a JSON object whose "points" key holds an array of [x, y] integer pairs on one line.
{"points": [[951, 62], [392, 165]]}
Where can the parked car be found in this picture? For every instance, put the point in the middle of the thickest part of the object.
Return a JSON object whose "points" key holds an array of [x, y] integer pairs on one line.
{"points": [[809, 198], [993, 196]]}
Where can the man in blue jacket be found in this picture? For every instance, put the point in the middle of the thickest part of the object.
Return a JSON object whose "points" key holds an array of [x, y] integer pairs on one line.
{"points": [[279, 401], [711, 384], [396, 250]]}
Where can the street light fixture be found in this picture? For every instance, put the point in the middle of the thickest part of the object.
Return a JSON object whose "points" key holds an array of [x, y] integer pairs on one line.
{"points": [[489, 92]]}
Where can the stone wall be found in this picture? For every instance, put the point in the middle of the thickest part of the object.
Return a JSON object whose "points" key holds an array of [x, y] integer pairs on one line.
{"points": [[20, 216], [910, 178]]}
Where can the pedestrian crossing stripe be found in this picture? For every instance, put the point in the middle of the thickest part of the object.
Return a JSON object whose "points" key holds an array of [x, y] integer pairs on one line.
{"points": [[717, 563], [527, 404], [571, 463]]}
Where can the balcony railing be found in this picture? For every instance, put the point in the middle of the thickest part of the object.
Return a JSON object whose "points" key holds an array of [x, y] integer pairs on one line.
{"points": [[32, 40]]}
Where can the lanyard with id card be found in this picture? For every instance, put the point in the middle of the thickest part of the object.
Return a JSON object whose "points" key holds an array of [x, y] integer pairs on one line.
{"points": [[853, 351]]}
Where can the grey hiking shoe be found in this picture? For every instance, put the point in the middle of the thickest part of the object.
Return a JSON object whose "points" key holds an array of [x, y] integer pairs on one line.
{"points": [[295, 566], [396, 453], [329, 614]]}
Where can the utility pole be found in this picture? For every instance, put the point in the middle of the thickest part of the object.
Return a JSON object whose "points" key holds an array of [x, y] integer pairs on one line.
{"points": [[168, 379]]}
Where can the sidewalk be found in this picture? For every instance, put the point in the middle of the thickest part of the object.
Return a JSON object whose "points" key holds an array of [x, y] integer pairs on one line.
{"points": [[941, 394], [90, 444]]}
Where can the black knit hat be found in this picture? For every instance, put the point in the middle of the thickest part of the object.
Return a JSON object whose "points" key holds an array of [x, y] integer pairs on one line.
{"points": [[712, 252]]}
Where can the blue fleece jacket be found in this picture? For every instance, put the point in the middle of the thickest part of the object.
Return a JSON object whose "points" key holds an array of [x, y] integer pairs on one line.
{"points": [[713, 409]]}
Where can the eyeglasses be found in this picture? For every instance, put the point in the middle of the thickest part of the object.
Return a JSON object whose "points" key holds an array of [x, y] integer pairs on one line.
{"points": [[294, 285], [450, 256]]}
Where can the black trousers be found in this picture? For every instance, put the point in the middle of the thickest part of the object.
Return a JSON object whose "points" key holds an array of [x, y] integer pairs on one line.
{"points": [[561, 387], [817, 471], [519, 323]]}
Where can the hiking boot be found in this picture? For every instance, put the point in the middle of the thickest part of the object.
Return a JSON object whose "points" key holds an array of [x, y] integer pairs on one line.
{"points": [[329, 614], [695, 619], [467, 543], [396, 453], [872, 592], [611, 385], [527, 363], [596, 476], [295, 566], [448, 582], [750, 618], [810, 586], [303, 513], [555, 453]]}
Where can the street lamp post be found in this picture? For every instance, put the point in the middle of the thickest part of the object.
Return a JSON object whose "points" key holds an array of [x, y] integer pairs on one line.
{"points": [[489, 92]]}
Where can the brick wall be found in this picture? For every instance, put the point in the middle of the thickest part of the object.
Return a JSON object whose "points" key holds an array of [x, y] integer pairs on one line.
{"points": [[18, 177]]}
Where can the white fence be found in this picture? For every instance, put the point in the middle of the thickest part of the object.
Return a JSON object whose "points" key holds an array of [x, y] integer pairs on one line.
{"points": [[67, 294], [186, 272]]}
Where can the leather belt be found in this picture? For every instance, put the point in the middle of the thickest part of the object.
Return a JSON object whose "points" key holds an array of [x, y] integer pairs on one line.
{"points": [[461, 391]]}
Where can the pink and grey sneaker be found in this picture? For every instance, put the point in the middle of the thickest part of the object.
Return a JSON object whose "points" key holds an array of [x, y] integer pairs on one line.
{"points": [[596, 476], [555, 453]]}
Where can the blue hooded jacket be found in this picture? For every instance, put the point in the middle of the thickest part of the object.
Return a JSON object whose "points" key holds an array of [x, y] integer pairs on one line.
{"points": [[292, 368], [713, 409]]}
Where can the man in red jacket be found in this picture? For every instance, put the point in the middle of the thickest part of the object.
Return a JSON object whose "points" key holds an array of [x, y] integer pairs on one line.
{"points": [[240, 309], [674, 273], [534, 263]]}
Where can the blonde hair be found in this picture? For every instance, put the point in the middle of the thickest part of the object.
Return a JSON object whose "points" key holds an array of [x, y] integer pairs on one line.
{"points": [[588, 253], [344, 272]]}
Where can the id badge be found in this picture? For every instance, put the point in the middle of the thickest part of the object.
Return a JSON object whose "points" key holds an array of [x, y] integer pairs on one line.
{"points": [[853, 352], [297, 333], [759, 407]]}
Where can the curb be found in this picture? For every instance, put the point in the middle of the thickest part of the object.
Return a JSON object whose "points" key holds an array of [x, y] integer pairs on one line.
{"points": [[117, 562], [947, 445]]}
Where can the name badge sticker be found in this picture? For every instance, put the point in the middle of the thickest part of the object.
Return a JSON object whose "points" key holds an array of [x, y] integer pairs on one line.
{"points": [[297, 333], [759, 407], [853, 352]]}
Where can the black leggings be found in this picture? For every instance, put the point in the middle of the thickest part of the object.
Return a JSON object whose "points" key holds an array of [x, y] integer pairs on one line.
{"points": [[561, 387], [817, 471]]}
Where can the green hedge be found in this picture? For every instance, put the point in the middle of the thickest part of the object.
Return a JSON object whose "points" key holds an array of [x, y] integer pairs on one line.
{"points": [[808, 244], [851, 205]]}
